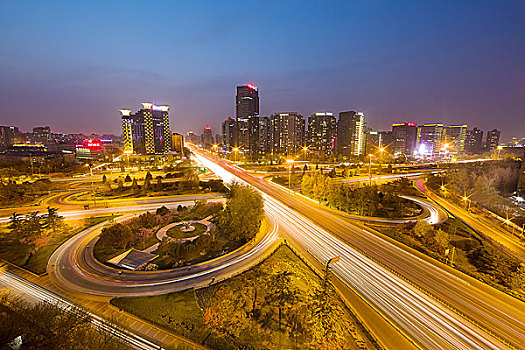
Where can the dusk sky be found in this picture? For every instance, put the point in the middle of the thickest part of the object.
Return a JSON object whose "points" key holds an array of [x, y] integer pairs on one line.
{"points": [[72, 65]]}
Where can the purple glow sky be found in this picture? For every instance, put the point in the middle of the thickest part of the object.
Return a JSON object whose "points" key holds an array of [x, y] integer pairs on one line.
{"points": [[72, 65]]}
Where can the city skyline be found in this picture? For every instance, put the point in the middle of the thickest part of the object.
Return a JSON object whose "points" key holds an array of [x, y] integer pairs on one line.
{"points": [[453, 73]]}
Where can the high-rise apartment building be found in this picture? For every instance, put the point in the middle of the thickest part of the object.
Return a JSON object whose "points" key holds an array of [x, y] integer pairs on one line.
{"points": [[288, 133], [404, 137], [229, 133], [473, 142], [148, 130], [247, 113], [351, 137], [322, 130], [492, 141], [429, 138], [453, 139]]}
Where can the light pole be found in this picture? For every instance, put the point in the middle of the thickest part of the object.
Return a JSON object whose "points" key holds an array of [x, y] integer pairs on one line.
{"points": [[236, 150], [215, 147], [370, 168], [127, 153], [290, 161], [92, 186], [305, 149], [499, 148], [467, 201]]}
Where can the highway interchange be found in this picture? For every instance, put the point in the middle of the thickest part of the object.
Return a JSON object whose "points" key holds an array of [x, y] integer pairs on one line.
{"points": [[417, 295]]}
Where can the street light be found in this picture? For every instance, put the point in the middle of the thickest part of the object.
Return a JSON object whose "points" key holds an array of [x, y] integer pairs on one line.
{"points": [[92, 186], [499, 148], [305, 149], [127, 153], [370, 168], [235, 149], [290, 161], [216, 151]]}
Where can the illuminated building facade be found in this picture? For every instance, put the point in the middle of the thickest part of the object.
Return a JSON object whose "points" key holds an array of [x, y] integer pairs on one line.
{"points": [[473, 142], [492, 141], [351, 136], [247, 115], [229, 134], [147, 131], [90, 150], [454, 137], [429, 138], [404, 137], [207, 137], [288, 133], [177, 142], [322, 130], [9, 135]]}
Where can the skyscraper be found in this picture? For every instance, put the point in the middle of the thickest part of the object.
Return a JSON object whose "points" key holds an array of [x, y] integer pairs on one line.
{"points": [[288, 131], [404, 139], [473, 141], [429, 138], [246, 112], [322, 129], [454, 137], [492, 141], [148, 130], [9, 135], [351, 137], [229, 134], [265, 135], [207, 137]]}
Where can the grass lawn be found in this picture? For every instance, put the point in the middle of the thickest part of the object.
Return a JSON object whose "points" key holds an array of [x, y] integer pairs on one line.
{"points": [[175, 231], [186, 312], [15, 252]]}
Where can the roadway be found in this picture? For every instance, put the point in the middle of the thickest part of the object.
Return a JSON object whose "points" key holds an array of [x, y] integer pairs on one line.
{"points": [[415, 293], [74, 267], [478, 223]]}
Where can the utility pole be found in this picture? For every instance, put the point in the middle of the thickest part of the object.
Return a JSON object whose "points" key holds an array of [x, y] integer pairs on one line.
{"points": [[93, 186], [370, 168]]}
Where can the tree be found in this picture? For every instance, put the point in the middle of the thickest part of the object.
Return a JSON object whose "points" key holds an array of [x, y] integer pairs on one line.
{"points": [[241, 219], [148, 176], [104, 179], [15, 223], [442, 239], [128, 178], [422, 228], [159, 183], [118, 236], [53, 219], [280, 294]]}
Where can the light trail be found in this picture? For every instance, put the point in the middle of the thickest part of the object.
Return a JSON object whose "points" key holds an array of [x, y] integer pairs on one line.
{"points": [[427, 322], [46, 296]]}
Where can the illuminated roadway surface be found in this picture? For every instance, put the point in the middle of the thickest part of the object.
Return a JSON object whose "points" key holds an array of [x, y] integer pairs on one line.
{"points": [[479, 224], [34, 293], [427, 322], [74, 267]]}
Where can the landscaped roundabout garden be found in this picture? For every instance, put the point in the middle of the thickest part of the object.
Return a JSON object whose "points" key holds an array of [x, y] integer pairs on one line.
{"points": [[187, 235]]}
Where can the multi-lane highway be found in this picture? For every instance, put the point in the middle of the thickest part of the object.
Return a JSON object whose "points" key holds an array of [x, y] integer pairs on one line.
{"points": [[420, 296]]}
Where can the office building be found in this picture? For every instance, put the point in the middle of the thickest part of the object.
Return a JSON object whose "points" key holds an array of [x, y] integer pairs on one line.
{"points": [[404, 137], [90, 150], [351, 136], [229, 134], [246, 111], [9, 135], [492, 141], [429, 138], [147, 131], [177, 142], [207, 137], [377, 140], [265, 135], [322, 130], [473, 142], [288, 133], [453, 139]]}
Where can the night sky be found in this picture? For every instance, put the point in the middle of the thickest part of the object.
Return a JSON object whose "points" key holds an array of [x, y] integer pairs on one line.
{"points": [[72, 65]]}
